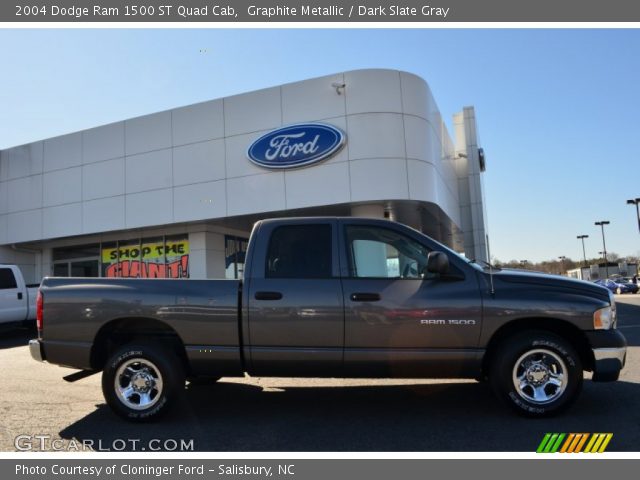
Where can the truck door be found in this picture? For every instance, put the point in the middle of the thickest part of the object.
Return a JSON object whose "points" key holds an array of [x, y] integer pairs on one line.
{"points": [[295, 309], [13, 301], [399, 320]]}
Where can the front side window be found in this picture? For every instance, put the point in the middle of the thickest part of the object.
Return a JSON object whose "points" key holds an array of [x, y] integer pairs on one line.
{"points": [[299, 251], [377, 252]]}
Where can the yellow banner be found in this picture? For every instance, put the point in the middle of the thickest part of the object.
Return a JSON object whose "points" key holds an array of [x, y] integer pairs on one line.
{"points": [[150, 251]]}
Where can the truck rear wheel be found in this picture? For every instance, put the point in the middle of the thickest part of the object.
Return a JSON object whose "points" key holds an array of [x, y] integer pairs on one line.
{"points": [[537, 373], [140, 382]]}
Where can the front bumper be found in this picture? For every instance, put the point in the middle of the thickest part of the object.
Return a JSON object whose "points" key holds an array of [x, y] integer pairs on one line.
{"points": [[36, 350], [609, 349]]}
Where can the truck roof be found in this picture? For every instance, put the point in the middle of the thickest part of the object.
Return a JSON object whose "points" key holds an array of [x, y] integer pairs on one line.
{"points": [[323, 219]]}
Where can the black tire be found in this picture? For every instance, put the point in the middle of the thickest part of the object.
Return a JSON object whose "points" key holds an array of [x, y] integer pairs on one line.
{"points": [[138, 368], [536, 357]]}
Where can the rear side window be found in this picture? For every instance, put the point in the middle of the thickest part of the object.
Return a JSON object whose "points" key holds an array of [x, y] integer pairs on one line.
{"points": [[299, 251], [7, 279]]}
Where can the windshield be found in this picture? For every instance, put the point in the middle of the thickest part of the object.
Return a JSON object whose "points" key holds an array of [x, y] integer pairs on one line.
{"points": [[469, 261]]}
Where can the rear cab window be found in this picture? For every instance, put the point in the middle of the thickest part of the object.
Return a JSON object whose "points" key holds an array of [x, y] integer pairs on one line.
{"points": [[7, 279], [300, 251]]}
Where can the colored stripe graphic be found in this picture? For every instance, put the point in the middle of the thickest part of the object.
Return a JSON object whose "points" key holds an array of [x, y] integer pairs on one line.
{"points": [[607, 439], [551, 443], [567, 443], [556, 445], [593, 439], [549, 446], [546, 438], [585, 436], [574, 442], [599, 442]]}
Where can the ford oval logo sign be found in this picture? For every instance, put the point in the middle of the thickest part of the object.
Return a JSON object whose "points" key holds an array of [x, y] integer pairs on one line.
{"points": [[296, 145]]}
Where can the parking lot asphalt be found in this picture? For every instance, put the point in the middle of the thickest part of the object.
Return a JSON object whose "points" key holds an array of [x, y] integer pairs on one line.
{"points": [[282, 414]]}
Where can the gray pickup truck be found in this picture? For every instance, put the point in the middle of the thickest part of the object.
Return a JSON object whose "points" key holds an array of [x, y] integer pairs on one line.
{"points": [[335, 297]]}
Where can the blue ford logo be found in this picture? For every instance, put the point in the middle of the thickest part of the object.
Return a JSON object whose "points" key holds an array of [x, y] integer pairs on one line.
{"points": [[296, 145]]}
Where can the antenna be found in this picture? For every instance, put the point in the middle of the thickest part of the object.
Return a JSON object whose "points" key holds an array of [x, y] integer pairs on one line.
{"points": [[490, 266]]}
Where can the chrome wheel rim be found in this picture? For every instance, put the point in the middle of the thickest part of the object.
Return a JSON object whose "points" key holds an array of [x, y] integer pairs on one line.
{"points": [[540, 376], [138, 384]]}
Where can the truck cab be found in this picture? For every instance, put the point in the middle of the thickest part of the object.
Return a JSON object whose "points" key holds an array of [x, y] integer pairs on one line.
{"points": [[355, 296]]}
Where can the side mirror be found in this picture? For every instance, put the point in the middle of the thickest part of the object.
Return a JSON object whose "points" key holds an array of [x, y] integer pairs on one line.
{"points": [[437, 262]]}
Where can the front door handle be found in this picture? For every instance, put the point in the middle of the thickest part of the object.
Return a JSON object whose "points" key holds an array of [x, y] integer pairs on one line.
{"points": [[19, 295], [268, 296], [365, 297]]}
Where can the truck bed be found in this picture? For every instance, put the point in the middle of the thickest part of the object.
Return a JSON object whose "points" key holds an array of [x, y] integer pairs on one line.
{"points": [[202, 313]]}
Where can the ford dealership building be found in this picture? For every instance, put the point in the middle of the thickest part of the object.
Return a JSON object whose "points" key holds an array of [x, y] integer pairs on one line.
{"points": [[175, 193]]}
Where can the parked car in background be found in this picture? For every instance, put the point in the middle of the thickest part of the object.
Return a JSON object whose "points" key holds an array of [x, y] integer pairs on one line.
{"points": [[617, 287], [628, 282], [17, 299]]}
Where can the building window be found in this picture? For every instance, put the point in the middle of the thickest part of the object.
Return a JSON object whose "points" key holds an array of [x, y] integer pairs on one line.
{"points": [[154, 259], [79, 261], [235, 249], [61, 269], [108, 257], [85, 268], [122, 260], [157, 257], [177, 257]]}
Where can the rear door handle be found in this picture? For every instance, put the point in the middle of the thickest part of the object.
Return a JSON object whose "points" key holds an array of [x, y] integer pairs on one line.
{"points": [[365, 297], [19, 295], [268, 296]]}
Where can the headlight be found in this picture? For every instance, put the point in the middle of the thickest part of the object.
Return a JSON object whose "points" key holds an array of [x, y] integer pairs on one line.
{"points": [[605, 318]]}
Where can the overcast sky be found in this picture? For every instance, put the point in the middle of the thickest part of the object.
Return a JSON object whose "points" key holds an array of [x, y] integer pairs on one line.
{"points": [[558, 110]]}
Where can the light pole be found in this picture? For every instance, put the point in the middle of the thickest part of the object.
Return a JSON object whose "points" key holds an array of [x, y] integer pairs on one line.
{"points": [[602, 223], [584, 253], [601, 254], [635, 202], [562, 258]]}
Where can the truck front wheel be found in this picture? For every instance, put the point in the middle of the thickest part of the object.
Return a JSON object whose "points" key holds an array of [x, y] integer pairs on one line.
{"points": [[140, 382], [537, 373]]}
